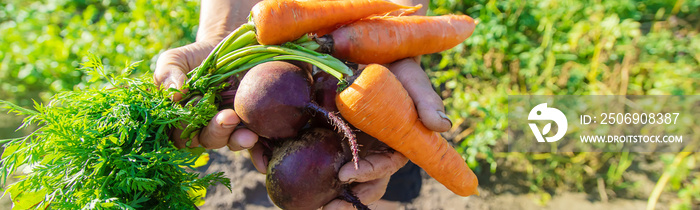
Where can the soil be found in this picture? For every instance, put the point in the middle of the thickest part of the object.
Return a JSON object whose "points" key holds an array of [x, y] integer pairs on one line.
{"points": [[248, 192]]}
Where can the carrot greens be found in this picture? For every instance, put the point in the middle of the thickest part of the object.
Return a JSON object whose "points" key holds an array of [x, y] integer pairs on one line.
{"points": [[104, 148]]}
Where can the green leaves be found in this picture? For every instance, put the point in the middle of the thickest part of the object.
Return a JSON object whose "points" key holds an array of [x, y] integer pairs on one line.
{"points": [[43, 43], [105, 148], [16, 109], [26, 199], [566, 47]]}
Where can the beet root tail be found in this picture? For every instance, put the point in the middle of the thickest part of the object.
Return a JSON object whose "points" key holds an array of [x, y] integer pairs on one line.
{"points": [[341, 127], [348, 196]]}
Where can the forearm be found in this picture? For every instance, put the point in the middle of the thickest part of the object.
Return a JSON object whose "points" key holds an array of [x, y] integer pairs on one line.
{"points": [[217, 18]]}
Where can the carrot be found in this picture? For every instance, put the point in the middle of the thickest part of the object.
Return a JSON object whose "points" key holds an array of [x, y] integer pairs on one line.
{"points": [[329, 30], [377, 104], [387, 39], [279, 21]]}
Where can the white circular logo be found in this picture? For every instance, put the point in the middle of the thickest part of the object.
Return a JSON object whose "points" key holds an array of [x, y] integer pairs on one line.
{"points": [[541, 112]]}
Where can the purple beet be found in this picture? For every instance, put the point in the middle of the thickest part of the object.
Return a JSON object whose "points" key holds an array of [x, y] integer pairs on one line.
{"points": [[325, 86], [303, 172], [274, 100], [272, 97]]}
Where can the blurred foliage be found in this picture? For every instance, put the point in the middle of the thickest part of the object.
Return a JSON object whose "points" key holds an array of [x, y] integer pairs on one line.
{"points": [[545, 47], [569, 47], [43, 42]]}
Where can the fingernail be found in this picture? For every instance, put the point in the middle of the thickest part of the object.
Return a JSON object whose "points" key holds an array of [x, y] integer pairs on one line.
{"points": [[168, 90], [444, 116], [227, 126], [243, 145]]}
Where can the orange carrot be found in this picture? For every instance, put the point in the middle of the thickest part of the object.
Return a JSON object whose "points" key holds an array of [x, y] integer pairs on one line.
{"points": [[377, 104], [387, 39], [329, 30], [279, 21]]}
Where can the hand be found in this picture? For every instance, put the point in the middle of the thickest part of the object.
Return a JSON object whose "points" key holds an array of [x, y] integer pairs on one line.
{"points": [[217, 19], [428, 103], [376, 169], [373, 177]]}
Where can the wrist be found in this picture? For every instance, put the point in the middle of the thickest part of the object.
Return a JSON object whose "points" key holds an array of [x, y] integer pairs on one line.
{"points": [[219, 17]]}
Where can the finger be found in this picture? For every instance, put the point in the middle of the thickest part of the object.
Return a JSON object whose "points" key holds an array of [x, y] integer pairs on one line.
{"points": [[219, 130], [242, 139], [367, 192], [172, 65], [259, 160], [428, 103], [372, 167], [182, 143], [371, 191], [338, 204]]}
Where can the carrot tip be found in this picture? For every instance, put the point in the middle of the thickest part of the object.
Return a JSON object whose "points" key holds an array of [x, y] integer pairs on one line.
{"points": [[413, 9]]}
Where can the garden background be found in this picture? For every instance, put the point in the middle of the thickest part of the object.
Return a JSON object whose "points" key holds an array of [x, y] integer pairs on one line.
{"points": [[564, 47]]}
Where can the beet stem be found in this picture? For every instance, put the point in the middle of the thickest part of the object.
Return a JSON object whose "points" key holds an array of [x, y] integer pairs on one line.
{"points": [[348, 196], [325, 43], [341, 127]]}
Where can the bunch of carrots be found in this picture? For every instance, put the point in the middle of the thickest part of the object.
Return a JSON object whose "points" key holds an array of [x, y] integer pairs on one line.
{"points": [[321, 33]]}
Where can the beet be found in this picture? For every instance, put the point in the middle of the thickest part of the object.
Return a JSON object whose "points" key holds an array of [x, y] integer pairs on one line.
{"points": [[325, 86], [325, 89], [272, 97], [303, 172], [274, 101]]}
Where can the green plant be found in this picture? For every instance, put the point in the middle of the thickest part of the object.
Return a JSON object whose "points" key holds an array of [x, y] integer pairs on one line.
{"points": [[43, 42], [104, 148], [545, 48]]}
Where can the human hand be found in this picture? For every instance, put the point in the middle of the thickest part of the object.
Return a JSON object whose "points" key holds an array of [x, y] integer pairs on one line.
{"points": [[217, 19], [171, 72], [372, 177], [376, 169], [171, 69]]}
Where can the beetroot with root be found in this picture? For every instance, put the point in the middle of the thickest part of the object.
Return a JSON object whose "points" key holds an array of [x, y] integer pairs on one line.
{"points": [[324, 88], [274, 100], [303, 172]]}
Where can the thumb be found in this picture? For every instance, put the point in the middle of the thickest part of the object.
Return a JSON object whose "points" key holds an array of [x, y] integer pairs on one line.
{"points": [[172, 65]]}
